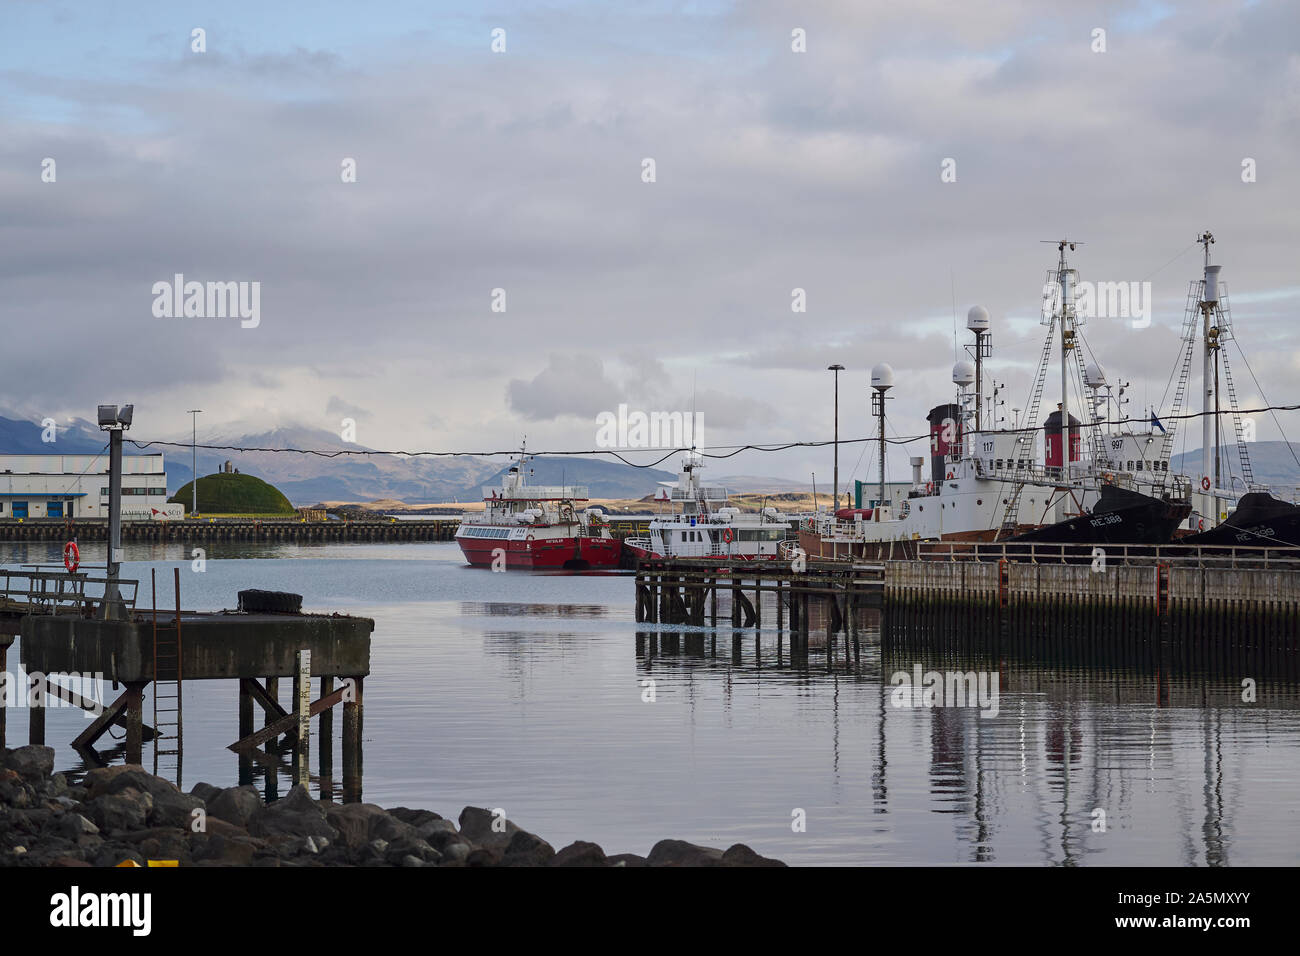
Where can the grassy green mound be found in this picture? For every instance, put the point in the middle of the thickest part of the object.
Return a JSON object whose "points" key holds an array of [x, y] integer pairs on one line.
{"points": [[230, 494]]}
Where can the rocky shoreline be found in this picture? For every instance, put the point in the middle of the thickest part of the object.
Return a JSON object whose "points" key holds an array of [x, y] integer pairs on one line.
{"points": [[123, 813]]}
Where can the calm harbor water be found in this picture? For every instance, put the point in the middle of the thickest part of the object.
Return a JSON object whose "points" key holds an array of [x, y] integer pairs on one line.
{"points": [[525, 692]]}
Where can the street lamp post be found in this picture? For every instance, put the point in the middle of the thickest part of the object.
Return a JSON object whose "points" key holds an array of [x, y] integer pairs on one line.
{"points": [[835, 489], [194, 458], [115, 421]]}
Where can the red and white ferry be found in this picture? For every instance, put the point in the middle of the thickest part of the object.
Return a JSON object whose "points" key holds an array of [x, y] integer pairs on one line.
{"points": [[537, 526]]}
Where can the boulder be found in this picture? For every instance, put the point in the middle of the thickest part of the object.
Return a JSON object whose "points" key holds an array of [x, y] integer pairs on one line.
{"points": [[527, 849], [33, 763], [295, 814], [484, 828], [741, 855], [204, 791], [416, 818], [235, 805], [359, 823], [681, 853], [579, 853], [116, 812]]}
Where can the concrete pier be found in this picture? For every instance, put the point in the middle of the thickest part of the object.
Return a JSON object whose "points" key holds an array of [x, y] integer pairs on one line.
{"points": [[247, 648]]}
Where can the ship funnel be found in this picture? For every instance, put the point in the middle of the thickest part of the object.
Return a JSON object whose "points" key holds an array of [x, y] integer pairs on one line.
{"points": [[917, 465], [1211, 284]]}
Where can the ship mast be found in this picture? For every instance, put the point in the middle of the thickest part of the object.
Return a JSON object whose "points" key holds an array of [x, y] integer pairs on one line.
{"points": [[1209, 378]]}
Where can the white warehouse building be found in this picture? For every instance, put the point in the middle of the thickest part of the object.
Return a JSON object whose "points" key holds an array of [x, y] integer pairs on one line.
{"points": [[76, 486]]}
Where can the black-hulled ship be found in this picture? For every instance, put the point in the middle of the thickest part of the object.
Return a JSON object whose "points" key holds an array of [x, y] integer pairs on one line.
{"points": [[1260, 521], [1120, 516]]}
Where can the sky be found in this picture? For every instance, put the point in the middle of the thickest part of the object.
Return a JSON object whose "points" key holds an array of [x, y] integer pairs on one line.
{"points": [[523, 171]]}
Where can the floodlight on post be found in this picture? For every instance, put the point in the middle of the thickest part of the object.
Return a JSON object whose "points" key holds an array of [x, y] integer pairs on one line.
{"points": [[115, 421]]}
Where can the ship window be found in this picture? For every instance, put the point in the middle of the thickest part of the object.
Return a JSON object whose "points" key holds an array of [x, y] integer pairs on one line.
{"points": [[999, 465], [1139, 464], [1130, 466]]}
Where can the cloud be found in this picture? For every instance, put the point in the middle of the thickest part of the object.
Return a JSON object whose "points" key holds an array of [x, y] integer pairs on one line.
{"points": [[522, 171]]}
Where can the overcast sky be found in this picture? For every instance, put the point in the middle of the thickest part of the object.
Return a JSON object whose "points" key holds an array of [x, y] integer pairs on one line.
{"points": [[522, 171]]}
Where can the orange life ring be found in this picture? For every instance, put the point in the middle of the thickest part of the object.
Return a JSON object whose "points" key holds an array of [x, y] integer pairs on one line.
{"points": [[727, 535], [950, 476], [1200, 524], [929, 487], [71, 557], [1205, 483]]}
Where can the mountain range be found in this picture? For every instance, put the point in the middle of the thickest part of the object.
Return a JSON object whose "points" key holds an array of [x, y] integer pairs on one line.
{"points": [[349, 476], [307, 479]]}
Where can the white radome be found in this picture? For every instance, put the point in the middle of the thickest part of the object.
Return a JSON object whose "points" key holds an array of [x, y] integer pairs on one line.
{"points": [[963, 373], [1094, 376], [977, 319], [882, 376]]}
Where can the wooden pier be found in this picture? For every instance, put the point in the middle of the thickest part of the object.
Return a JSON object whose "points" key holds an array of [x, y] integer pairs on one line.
{"points": [[64, 633], [1197, 601]]}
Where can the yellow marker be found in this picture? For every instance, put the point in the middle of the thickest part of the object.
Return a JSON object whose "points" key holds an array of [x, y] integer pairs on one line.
{"points": [[163, 862], [128, 863]]}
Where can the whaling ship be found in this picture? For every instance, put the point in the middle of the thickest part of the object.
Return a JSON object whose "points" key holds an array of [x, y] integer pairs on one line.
{"points": [[986, 484]]}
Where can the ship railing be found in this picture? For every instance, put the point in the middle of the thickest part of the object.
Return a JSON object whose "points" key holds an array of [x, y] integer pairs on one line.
{"points": [[537, 493], [643, 543], [1178, 555], [704, 493]]}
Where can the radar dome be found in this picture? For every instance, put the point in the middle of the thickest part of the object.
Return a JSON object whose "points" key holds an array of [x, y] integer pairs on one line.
{"points": [[882, 376], [1093, 376], [977, 319], [963, 373]]}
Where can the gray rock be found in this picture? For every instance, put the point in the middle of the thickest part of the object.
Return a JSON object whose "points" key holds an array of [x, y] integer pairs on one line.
{"points": [[32, 762], [416, 818], [456, 852], [73, 825], [435, 826], [295, 814], [399, 849], [579, 853], [681, 853], [741, 855], [484, 828], [235, 805], [171, 808], [527, 849], [204, 791], [411, 861], [115, 812], [359, 823]]}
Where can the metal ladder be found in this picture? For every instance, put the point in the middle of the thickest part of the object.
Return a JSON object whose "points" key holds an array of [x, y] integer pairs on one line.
{"points": [[1225, 333], [167, 690], [1012, 511], [1191, 323]]}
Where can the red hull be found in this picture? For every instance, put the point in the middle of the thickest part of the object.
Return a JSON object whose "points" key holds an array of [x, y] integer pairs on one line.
{"points": [[543, 553]]}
